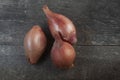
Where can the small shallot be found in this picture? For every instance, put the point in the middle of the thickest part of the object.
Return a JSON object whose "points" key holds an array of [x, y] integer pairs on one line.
{"points": [[60, 24], [34, 43]]}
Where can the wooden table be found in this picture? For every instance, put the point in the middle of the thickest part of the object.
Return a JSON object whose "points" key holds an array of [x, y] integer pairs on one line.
{"points": [[98, 48]]}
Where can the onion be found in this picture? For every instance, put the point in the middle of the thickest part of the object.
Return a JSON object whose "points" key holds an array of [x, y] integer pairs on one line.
{"points": [[62, 54], [60, 24], [34, 43]]}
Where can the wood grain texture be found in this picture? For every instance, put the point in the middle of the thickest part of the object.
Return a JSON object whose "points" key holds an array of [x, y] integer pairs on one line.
{"points": [[98, 32], [97, 22], [92, 62]]}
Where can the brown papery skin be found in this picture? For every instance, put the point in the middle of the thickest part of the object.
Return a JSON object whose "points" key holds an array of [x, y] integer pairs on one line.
{"points": [[34, 44], [63, 54], [60, 24]]}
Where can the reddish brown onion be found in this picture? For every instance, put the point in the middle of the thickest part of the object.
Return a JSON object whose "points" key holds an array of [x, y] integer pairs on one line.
{"points": [[60, 24], [63, 54], [34, 44]]}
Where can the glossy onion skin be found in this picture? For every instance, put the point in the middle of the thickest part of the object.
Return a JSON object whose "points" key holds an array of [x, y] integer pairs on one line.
{"points": [[34, 43], [60, 24], [63, 54]]}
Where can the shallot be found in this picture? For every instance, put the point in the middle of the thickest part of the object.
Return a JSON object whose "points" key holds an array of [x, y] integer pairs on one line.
{"points": [[60, 24], [62, 54], [34, 43]]}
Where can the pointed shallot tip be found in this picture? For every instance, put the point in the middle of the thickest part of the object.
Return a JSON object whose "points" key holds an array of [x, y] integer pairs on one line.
{"points": [[36, 27], [31, 62], [28, 59], [45, 8]]}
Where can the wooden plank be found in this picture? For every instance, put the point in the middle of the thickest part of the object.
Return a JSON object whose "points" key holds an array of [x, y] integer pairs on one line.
{"points": [[95, 32], [97, 22], [92, 63], [13, 32], [90, 33], [82, 8]]}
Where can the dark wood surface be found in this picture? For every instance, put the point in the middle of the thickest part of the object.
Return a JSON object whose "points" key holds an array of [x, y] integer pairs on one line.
{"points": [[98, 31]]}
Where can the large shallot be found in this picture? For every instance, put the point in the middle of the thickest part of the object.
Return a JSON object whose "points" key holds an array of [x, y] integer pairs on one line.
{"points": [[60, 24], [62, 54]]}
